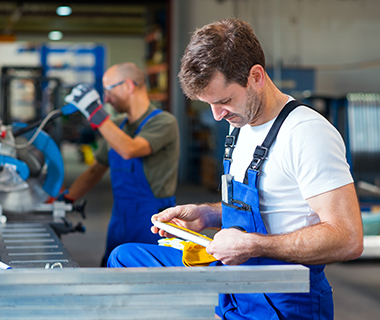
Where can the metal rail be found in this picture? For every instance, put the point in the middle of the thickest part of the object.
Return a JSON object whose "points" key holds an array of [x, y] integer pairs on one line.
{"points": [[136, 293]]}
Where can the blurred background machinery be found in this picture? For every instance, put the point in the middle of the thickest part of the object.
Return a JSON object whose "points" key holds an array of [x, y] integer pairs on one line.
{"points": [[32, 217]]}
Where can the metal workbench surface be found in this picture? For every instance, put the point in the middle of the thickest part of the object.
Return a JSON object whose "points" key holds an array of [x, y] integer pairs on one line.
{"points": [[32, 245]]}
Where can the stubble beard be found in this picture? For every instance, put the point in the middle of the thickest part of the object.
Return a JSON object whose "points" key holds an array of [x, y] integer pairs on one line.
{"points": [[254, 106], [253, 110]]}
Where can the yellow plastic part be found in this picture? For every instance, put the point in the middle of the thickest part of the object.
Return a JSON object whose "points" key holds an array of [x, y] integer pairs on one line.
{"points": [[190, 231], [88, 156], [195, 255]]}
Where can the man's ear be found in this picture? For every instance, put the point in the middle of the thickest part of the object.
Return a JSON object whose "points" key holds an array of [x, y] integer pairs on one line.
{"points": [[131, 85], [256, 77]]}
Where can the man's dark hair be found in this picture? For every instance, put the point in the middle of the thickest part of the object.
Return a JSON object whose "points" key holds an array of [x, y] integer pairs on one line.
{"points": [[228, 46]]}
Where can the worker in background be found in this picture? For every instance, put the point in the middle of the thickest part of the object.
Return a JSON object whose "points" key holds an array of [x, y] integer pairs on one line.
{"points": [[290, 200], [141, 149]]}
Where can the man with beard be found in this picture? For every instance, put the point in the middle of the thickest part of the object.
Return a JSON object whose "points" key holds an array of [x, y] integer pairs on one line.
{"points": [[141, 149], [287, 192]]}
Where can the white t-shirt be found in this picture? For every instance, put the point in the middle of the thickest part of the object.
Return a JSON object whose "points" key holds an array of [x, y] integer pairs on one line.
{"points": [[307, 158]]}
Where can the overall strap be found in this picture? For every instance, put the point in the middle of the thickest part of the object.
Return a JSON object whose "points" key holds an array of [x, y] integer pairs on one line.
{"points": [[261, 152], [229, 147], [123, 123], [150, 115]]}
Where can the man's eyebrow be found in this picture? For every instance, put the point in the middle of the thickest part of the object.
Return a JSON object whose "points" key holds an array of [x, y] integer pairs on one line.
{"points": [[220, 101]]}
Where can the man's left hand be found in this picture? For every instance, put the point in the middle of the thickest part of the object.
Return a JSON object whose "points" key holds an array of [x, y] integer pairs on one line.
{"points": [[87, 100], [230, 246]]}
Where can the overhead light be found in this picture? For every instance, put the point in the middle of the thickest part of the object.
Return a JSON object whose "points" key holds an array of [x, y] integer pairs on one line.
{"points": [[55, 35], [64, 11]]}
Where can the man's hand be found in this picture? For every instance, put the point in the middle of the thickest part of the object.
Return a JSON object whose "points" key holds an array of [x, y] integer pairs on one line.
{"points": [[192, 217], [230, 246], [87, 100], [64, 197]]}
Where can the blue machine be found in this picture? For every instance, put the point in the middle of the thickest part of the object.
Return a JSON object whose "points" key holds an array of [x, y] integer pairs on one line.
{"points": [[52, 156], [36, 166]]}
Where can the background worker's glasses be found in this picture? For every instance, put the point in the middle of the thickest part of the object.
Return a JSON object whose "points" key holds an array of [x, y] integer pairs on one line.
{"points": [[107, 89]]}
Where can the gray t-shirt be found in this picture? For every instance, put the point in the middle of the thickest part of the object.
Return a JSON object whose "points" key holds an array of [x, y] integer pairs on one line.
{"points": [[161, 167]]}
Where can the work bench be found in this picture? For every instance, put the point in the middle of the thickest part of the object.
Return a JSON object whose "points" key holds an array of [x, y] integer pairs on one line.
{"points": [[32, 245]]}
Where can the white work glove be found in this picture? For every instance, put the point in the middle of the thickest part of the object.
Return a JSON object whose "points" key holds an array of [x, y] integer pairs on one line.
{"points": [[172, 242], [87, 100]]}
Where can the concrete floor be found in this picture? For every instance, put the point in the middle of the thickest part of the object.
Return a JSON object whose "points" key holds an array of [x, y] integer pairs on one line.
{"points": [[356, 284]]}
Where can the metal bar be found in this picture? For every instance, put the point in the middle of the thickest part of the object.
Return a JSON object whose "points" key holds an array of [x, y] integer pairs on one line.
{"points": [[285, 278], [54, 246], [185, 287], [137, 293], [28, 240], [25, 235], [274, 273], [35, 253], [371, 247], [20, 225], [38, 261], [15, 230], [198, 312], [128, 300]]}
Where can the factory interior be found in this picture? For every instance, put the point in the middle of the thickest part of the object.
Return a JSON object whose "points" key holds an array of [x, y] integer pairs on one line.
{"points": [[322, 52]]}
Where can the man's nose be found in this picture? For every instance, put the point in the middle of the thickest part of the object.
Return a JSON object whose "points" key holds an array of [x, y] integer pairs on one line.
{"points": [[218, 112]]}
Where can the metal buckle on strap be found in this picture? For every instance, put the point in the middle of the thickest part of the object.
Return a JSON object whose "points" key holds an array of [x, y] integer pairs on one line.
{"points": [[230, 141], [229, 146], [256, 164], [260, 152], [258, 158]]}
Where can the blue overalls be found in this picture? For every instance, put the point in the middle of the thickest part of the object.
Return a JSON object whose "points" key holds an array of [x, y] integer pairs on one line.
{"points": [[133, 200], [240, 209]]}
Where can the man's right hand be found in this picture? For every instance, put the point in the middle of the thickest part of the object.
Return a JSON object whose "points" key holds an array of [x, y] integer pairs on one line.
{"points": [[192, 217], [64, 197]]}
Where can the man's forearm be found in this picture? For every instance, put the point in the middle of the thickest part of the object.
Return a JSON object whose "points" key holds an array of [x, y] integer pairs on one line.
{"points": [[318, 244], [86, 181]]}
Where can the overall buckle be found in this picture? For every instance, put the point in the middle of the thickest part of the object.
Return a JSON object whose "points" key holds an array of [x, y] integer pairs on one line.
{"points": [[229, 146], [258, 158]]}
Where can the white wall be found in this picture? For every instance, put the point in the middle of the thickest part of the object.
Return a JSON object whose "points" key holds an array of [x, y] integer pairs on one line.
{"points": [[336, 37]]}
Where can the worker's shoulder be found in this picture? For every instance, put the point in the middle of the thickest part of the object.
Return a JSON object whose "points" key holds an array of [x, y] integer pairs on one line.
{"points": [[304, 115], [306, 123]]}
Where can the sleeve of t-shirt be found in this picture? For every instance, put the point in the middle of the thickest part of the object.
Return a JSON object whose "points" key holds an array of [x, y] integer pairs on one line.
{"points": [[317, 158], [159, 131], [101, 154]]}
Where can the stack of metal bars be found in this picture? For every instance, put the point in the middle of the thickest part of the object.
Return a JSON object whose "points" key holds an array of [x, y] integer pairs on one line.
{"points": [[136, 293], [32, 245]]}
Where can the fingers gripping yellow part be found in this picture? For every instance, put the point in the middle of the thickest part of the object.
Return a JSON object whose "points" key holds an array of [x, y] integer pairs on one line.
{"points": [[183, 233], [193, 246]]}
